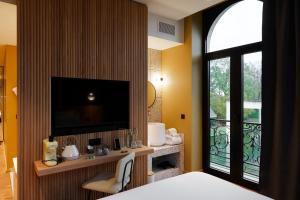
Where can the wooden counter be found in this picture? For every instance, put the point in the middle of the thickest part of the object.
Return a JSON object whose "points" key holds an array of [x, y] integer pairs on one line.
{"points": [[82, 162]]}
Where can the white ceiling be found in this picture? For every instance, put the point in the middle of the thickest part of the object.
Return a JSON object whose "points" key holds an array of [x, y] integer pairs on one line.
{"points": [[177, 9], [172, 9], [8, 24]]}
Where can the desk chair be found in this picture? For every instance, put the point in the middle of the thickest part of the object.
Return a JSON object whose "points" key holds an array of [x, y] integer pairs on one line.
{"points": [[112, 183]]}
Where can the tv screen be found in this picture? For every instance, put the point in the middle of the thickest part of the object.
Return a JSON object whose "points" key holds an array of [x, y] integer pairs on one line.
{"points": [[85, 105]]}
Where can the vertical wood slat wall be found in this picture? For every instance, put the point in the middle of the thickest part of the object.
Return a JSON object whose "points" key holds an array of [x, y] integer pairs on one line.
{"points": [[98, 39]]}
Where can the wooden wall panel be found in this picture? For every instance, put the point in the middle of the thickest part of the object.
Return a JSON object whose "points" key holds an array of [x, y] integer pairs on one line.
{"points": [[98, 39]]}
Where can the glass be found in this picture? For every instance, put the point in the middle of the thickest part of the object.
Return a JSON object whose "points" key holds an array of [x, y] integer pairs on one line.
{"points": [[239, 25], [220, 114], [139, 143], [252, 70], [131, 138]]}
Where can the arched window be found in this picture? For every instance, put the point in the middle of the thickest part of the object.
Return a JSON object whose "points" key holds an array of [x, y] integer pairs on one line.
{"points": [[232, 122], [240, 24]]}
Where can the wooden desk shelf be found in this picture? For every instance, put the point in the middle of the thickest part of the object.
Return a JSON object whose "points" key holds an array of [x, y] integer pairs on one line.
{"points": [[83, 161]]}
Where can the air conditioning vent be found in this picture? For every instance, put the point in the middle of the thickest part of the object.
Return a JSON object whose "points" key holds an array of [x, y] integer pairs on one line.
{"points": [[166, 28], [164, 33]]}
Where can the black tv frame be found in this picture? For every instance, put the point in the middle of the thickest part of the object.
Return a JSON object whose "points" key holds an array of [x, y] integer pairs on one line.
{"points": [[55, 132]]}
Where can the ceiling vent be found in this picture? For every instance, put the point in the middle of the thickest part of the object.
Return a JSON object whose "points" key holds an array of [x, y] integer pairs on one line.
{"points": [[164, 33], [166, 28]]}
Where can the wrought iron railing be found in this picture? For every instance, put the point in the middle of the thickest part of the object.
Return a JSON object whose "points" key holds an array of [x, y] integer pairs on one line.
{"points": [[252, 148], [220, 147], [220, 143]]}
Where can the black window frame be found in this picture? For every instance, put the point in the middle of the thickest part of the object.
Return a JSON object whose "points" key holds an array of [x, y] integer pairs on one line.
{"points": [[236, 96]]}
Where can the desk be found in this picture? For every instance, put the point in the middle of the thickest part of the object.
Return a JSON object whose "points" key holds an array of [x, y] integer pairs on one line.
{"points": [[83, 161]]}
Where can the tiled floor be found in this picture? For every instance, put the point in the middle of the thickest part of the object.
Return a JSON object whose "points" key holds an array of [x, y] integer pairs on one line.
{"points": [[5, 191]]}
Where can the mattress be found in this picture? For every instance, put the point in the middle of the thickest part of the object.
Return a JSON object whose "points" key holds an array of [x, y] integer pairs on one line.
{"points": [[190, 186]]}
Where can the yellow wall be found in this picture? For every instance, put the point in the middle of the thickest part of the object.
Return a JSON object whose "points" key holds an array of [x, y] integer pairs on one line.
{"points": [[182, 75], [10, 115], [177, 90]]}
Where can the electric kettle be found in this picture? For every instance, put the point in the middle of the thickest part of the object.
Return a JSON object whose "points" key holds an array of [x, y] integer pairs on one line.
{"points": [[70, 152]]}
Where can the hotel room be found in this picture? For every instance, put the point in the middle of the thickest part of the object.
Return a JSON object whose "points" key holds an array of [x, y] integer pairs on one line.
{"points": [[149, 99]]}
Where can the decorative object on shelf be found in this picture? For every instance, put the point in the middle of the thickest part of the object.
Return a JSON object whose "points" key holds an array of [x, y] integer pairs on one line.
{"points": [[156, 134], [139, 143], [130, 138], [117, 145], [97, 148], [90, 149], [106, 150], [135, 137], [70, 151], [101, 150], [133, 144], [49, 152]]}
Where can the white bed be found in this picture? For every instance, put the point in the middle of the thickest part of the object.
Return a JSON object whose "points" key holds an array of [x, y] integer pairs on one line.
{"points": [[190, 186]]}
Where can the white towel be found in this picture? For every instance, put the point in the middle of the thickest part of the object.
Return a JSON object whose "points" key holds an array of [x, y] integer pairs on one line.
{"points": [[172, 132], [173, 140]]}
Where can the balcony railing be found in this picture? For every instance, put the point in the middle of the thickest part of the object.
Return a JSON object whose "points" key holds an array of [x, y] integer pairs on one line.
{"points": [[220, 147], [252, 148]]}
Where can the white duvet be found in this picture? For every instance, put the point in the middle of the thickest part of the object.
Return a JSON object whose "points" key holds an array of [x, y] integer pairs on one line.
{"points": [[190, 186]]}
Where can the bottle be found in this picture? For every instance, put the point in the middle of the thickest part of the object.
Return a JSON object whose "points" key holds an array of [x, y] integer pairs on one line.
{"points": [[129, 138]]}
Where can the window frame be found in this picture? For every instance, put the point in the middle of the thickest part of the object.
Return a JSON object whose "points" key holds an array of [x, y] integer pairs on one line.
{"points": [[236, 91]]}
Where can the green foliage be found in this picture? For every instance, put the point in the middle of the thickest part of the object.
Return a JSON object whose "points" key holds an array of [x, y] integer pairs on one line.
{"points": [[251, 115], [220, 77], [252, 83], [218, 105], [220, 85]]}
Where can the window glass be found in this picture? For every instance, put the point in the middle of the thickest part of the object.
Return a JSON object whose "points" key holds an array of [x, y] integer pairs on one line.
{"points": [[238, 25], [220, 114], [252, 70]]}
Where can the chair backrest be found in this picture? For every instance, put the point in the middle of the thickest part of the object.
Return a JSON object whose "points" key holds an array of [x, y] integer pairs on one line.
{"points": [[121, 166]]}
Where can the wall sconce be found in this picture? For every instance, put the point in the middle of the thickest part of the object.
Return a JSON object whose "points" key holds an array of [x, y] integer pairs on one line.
{"points": [[156, 79]]}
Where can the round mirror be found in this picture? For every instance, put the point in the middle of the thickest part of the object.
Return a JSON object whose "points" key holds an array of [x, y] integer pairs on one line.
{"points": [[151, 94]]}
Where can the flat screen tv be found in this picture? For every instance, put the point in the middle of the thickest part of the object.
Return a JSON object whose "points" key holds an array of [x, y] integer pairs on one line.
{"points": [[86, 105]]}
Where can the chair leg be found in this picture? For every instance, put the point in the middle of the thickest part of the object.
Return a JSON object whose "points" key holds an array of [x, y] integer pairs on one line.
{"points": [[89, 194]]}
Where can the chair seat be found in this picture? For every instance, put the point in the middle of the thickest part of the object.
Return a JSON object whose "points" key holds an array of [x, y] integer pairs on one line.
{"points": [[104, 182]]}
